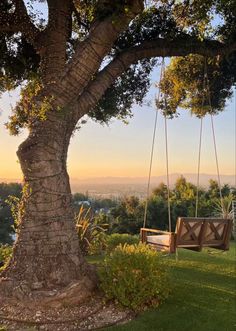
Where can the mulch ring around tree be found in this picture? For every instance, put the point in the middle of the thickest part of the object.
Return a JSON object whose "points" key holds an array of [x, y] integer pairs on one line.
{"points": [[94, 314]]}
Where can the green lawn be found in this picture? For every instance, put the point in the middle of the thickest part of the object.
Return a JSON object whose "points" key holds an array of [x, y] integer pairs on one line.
{"points": [[203, 296]]}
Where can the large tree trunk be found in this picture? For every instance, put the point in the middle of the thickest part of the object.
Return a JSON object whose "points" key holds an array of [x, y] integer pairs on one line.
{"points": [[46, 254]]}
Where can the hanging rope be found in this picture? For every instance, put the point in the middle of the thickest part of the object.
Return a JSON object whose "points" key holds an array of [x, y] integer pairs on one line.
{"points": [[200, 139], [217, 162], [198, 168], [167, 157], [206, 86], [152, 148], [167, 172], [214, 142]]}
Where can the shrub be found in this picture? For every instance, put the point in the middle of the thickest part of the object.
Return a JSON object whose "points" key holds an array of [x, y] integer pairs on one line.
{"points": [[5, 254], [91, 231], [116, 239], [135, 276], [224, 207]]}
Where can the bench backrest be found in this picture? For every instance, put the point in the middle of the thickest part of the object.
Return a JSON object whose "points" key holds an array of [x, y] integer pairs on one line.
{"points": [[195, 233]]}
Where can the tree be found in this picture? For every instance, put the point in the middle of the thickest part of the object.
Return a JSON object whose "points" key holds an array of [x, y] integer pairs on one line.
{"points": [[92, 58], [157, 216], [127, 216], [161, 190], [184, 198]]}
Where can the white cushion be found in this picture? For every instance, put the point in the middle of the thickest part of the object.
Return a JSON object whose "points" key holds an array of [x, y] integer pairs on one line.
{"points": [[163, 239]]}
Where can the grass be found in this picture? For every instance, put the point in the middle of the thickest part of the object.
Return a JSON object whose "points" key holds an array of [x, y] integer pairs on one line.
{"points": [[203, 296]]}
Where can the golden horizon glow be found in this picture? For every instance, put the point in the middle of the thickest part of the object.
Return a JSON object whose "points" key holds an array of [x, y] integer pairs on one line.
{"points": [[124, 150]]}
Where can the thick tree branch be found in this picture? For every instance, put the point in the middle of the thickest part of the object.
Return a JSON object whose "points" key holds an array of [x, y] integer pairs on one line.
{"points": [[90, 53], [50, 43], [53, 43], [156, 48]]}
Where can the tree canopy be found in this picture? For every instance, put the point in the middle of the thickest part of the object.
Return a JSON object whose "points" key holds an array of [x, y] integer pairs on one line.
{"points": [[149, 30]]}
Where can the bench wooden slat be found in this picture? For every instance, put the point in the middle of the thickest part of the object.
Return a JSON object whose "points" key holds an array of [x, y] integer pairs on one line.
{"points": [[195, 233]]}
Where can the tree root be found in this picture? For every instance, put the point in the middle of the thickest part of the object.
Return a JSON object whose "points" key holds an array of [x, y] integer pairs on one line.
{"points": [[73, 294]]}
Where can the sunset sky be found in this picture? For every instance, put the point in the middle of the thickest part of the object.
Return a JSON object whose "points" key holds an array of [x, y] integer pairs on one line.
{"points": [[124, 150]]}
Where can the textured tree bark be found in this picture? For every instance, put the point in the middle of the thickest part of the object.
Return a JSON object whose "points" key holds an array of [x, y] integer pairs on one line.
{"points": [[46, 254]]}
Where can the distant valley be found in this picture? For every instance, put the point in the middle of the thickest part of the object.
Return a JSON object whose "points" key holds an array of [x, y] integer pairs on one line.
{"points": [[119, 186]]}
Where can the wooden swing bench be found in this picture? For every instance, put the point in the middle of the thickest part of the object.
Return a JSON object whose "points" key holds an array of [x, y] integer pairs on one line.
{"points": [[191, 233]]}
